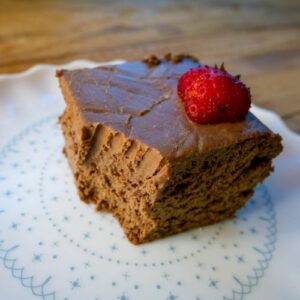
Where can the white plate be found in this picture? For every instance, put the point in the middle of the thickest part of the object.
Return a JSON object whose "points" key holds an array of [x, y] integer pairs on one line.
{"points": [[53, 246]]}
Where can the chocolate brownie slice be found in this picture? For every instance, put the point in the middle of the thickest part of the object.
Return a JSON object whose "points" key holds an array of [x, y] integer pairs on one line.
{"points": [[134, 152]]}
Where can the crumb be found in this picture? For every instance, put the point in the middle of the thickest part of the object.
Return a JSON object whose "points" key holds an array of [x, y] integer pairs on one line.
{"points": [[168, 56], [180, 57], [152, 60], [59, 73]]}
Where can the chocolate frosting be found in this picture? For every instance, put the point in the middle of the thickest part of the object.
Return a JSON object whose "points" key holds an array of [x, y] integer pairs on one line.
{"points": [[141, 101]]}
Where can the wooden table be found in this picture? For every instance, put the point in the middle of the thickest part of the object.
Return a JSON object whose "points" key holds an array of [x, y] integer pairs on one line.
{"points": [[259, 39]]}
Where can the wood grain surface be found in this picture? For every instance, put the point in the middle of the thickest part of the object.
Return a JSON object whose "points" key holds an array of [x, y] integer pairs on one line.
{"points": [[258, 39]]}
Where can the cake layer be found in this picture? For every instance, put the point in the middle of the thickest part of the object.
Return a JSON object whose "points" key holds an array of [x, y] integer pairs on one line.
{"points": [[134, 152]]}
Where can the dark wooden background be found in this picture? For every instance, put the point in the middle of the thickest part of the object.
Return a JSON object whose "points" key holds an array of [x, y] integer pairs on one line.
{"points": [[259, 39]]}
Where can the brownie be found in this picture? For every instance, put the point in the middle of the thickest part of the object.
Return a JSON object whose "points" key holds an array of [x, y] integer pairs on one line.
{"points": [[135, 153]]}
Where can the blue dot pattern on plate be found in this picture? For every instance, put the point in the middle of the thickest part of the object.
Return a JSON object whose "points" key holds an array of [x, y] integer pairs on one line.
{"points": [[60, 248]]}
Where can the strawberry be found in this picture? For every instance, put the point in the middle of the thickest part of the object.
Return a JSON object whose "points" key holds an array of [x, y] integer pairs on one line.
{"points": [[211, 95]]}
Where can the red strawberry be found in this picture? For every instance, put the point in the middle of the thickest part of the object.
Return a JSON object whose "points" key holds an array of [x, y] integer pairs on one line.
{"points": [[211, 95]]}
